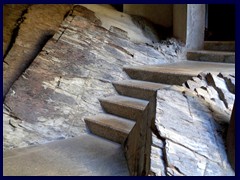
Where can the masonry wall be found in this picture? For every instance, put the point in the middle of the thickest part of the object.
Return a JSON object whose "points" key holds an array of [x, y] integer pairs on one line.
{"points": [[161, 14]]}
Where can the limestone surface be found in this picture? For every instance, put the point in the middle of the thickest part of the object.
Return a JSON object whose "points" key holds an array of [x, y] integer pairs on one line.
{"points": [[76, 67], [192, 140]]}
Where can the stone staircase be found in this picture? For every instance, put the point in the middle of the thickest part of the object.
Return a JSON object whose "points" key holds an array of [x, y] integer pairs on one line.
{"points": [[88, 154], [80, 155], [122, 111], [220, 46], [214, 51]]}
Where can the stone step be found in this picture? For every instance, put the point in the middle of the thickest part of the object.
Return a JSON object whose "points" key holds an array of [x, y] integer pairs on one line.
{"points": [[110, 127], [220, 45], [176, 73], [211, 56], [85, 155], [126, 107], [137, 89]]}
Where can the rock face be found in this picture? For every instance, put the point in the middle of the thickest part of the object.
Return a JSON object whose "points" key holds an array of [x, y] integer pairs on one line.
{"points": [[36, 25], [231, 139], [11, 19], [191, 142], [75, 68], [217, 90]]}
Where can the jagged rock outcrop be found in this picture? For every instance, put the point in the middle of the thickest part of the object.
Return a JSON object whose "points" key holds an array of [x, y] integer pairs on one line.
{"points": [[191, 141], [216, 89]]}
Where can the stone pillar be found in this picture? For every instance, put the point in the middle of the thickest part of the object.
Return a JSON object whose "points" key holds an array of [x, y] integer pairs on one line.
{"points": [[231, 140], [180, 21], [195, 26]]}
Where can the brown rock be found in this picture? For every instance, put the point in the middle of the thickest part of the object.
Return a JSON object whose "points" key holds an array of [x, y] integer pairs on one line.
{"points": [[231, 139]]}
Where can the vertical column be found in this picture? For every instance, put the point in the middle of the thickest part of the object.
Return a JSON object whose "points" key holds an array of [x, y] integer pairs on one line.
{"points": [[180, 21], [231, 140], [195, 26]]}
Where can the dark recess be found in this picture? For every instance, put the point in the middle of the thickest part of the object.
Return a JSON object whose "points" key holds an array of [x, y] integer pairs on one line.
{"points": [[221, 22], [118, 7]]}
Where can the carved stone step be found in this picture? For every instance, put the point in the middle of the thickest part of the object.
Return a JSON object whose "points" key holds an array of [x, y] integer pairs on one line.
{"points": [[211, 56], [176, 73], [126, 107], [137, 89], [220, 45], [109, 126]]}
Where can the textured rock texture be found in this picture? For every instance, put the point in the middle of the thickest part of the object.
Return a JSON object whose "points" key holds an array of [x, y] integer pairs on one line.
{"points": [[231, 140], [190, 140], [217, 90], [62, 86], [12, 17], [36, 25]]}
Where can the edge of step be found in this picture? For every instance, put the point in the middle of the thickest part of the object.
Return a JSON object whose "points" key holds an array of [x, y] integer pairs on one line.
{"points": [[108, 126], [126, 107], [137, 89], [126, 101]]}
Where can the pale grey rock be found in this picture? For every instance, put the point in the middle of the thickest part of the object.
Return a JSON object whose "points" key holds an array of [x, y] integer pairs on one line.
{"points": [[202, 92], [192, 85], [196, 79], [173, 172], [191, 133], [212, 92], [157, 164], [221, 87], [157, 142], [184, 161], [228, 99], [215, 169]]}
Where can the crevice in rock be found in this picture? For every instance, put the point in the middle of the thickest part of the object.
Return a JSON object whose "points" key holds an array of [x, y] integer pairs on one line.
{"points": [[12, 116], [64, 30], [69, 13], [175, 170], [211, 82], [164, 159], [14, 36], [192, 150], [5, 62], [121, 49]]}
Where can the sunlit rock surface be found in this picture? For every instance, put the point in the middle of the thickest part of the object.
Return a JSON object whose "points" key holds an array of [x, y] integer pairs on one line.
{"points": [[75, 68]]}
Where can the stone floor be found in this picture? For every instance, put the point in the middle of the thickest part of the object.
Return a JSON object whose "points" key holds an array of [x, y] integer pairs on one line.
{"points": [[86, 155]]}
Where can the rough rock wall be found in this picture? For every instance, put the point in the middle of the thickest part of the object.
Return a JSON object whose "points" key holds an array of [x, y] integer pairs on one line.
{"points": [[161, 14], [76, 67], [191, 125], [12, 17], [217, 90], [36, 25]]}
